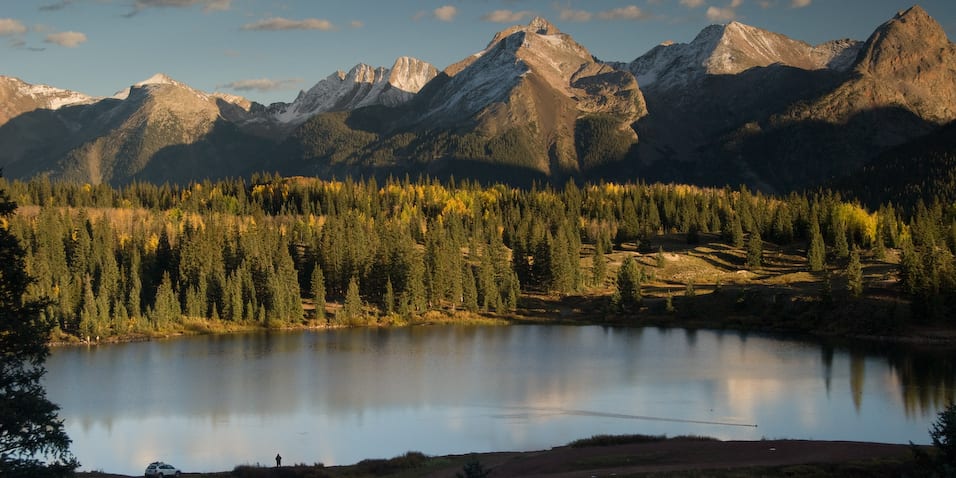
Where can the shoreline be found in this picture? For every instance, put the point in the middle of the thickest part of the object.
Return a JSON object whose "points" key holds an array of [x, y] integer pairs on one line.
{"points": [[627, 455], [928, 336]]}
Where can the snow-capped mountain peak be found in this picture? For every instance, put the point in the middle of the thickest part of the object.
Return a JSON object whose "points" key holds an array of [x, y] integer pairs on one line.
{"points": [[158, 79], [18, 97], [733, 48], [363, 85]]}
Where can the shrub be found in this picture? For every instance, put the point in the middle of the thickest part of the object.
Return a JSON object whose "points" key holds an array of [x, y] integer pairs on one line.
{"points": [[943, 433]]}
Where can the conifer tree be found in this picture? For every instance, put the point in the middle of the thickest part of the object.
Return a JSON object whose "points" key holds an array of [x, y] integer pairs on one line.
{"points": [[469, 289], [840, 243], [754, 250], [816, 253], [352, 307], [166, 309], [388, 298], [33, 442], [854, 274], [628, 297], [598, 267]]}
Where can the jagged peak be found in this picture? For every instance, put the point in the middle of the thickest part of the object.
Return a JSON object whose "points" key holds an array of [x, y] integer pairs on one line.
{"points": [[542, 26], [537, 25], [158, 79], [915, 11], [909, 34]]}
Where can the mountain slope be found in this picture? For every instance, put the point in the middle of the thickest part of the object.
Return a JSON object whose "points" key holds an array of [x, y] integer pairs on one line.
{"points": [[902, 86], [755, 107], [362, 86], [732, 49], [518, 103], [113, 139], [18, 97], [923, 169]]}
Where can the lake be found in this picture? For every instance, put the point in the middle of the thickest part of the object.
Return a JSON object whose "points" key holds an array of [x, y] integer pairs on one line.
{"points": [[337, 397]]}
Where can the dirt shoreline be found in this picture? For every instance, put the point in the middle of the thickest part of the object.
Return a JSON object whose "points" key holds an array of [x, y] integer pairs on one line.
{"points": [[676, 457]]}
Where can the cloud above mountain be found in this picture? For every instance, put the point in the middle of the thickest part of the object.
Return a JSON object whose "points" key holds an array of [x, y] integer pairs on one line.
{"points": [[261, 84], [630, 12], [446, 13], [10, 26], [507, 16], [141, 5], [279, 23], [66, 39]]}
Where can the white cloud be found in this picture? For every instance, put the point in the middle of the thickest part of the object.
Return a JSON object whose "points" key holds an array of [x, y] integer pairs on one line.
{"points": [[279, 23], [570, 15], [736, 3], [207, 5], [800, 3], [692, 3], [446, 13], [356, 24], [506, 16], [629, 12], [261, 84], [717, 14], [9, 26], [66, 39]]}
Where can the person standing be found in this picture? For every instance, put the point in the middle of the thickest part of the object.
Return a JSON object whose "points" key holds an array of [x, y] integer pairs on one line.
{"points": [[278, 460]]}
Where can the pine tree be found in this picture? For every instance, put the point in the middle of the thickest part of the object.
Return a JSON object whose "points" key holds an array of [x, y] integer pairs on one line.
{"points": [[388, 298], [628, 296], [737, 232], [352, 308], [840, 244], [854, 274], [317, 287], [754, 250], [30, 429], [816, 253], [166, 309], [598, 267], [469, 289]]}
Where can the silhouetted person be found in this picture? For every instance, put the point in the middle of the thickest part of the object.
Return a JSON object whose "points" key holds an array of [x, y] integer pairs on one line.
{"points": [[278, 460]]}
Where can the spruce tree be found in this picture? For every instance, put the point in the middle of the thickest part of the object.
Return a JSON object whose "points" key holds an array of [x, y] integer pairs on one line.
{"points": [[598, 267], [388, 299], [469, 289], [33, 442], [352, 308], [755, 250], [854, 274], [317, 288], [816, 253], [628, 296]]}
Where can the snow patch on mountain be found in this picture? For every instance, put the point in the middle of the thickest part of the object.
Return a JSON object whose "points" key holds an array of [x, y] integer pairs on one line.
{"points": [[45, 96], [362, 86], [733, 48]]}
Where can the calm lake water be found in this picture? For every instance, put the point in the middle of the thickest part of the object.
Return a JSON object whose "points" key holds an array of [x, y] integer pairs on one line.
{"points": [[337, 397]]}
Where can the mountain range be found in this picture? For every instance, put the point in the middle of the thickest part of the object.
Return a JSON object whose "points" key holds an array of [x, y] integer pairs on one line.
{"points": [[737, 105]]}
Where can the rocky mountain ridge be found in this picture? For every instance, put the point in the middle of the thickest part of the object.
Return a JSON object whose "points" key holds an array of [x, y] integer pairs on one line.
{"points": [[732, 49], [738, 104]]}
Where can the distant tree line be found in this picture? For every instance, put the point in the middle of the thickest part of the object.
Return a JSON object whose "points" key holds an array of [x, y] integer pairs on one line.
{"points": [[148, 257]]}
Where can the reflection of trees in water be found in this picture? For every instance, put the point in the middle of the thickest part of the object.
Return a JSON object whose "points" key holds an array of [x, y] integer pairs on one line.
{"points": [[927, 375], [928, 379], [857, 376]]}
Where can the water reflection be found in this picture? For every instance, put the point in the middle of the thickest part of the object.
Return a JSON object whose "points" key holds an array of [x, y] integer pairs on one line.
{"points": [[209, 403]]}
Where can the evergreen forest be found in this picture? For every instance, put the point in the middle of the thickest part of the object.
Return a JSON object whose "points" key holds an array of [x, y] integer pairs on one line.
{"points": [[285, 252]]}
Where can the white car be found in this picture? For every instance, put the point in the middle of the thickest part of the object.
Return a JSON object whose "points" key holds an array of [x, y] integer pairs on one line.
{"points": [[161, 470]]}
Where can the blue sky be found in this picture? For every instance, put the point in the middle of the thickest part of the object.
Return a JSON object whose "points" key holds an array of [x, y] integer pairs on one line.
{"points": [[267, 50]]}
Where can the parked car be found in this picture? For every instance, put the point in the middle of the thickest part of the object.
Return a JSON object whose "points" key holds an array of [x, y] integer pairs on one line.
{"points": [[158, 469]]}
